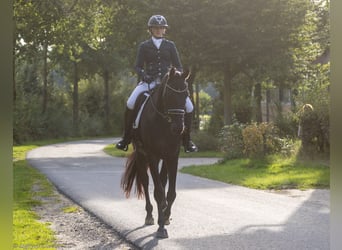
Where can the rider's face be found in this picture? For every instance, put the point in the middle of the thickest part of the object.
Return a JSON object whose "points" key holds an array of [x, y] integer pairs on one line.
{"points": [[158, 31]]}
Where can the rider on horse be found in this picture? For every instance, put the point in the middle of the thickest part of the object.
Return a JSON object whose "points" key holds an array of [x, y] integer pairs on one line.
{"points": [[155, 57]]}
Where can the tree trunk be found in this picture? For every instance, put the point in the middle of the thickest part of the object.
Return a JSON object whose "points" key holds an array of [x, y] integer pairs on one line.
{"points": [[227, 96], [258, 112], [281, 100], [106, 98], [195, 113], [75, 100], [197, 107], [13, 75], [268, 99], [45, 73]]}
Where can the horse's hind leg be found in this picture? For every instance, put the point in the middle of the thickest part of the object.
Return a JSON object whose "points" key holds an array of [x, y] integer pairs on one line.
{"points": [[163, 178], [159, 195], [149, 218]]}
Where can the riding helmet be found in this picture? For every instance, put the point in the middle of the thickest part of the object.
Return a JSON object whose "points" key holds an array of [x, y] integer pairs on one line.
{"points": [[157, 20]]}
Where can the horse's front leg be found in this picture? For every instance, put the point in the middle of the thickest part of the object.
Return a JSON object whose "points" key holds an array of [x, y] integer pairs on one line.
{"points": [[159, 195], [163, 174], [171, 193]]}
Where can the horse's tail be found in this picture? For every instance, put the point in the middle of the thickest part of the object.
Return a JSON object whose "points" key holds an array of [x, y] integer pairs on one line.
{"points": [[136, 170]]}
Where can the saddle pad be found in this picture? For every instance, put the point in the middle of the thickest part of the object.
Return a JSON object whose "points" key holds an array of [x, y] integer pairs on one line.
{"points": [[137, 119]]}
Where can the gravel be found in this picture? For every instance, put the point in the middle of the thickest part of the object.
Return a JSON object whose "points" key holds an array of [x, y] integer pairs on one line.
{"points": [[78, 229]]}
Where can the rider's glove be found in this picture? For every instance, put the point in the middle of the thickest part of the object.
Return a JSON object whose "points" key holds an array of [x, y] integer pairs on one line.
{"points": [[148, 78]]}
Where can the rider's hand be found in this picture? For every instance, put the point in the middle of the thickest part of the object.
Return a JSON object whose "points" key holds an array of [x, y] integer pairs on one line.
{"points": [[147, 78]]}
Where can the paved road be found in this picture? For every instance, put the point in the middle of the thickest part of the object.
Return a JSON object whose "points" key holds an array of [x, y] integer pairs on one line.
{"points": [[206, 214]]}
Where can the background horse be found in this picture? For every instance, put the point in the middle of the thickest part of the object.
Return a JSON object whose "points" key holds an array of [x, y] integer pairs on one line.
{"points": [[157, 138]]}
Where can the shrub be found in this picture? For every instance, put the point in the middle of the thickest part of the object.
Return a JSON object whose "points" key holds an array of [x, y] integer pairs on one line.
{"points": [[30, 123], [205, 141], [253, 140], [231, 141], [261, 139], [287, 125]]}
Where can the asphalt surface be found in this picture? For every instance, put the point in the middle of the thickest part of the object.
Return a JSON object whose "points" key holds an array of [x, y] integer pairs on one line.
{"points": [[206, 214]]}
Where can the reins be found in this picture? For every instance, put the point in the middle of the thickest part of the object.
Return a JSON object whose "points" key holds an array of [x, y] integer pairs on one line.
{"points": [[164, 114], [154, 107]]}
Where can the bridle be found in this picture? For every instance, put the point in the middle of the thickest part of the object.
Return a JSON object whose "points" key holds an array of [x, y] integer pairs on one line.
{"points": [[172, 111]]}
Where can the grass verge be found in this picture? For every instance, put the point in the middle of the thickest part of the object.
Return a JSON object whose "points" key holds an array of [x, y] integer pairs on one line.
{"points": [[273, 172], [113, 151], [29, 183]]}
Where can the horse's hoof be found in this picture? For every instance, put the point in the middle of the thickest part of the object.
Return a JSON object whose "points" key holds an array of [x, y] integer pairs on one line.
{"points": [[149, 221], [162, 233]]}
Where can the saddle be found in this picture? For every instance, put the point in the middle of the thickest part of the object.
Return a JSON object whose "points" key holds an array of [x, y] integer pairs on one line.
{"points": [[139, 107]]}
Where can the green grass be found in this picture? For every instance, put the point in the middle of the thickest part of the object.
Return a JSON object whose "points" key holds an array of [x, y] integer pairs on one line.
{"points": [[28, 183], [71, 209], [270, 173], [273, 172], [113, 151]]}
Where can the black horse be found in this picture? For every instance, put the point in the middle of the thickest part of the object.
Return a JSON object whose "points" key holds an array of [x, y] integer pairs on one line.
{"points": [[158, 137]]}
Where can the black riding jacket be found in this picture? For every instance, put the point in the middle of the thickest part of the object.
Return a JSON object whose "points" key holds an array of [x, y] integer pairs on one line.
{"points": [[156, 62]]}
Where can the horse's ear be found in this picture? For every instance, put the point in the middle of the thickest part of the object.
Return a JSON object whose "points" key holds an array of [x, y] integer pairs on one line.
{"points": [[186, 74]]}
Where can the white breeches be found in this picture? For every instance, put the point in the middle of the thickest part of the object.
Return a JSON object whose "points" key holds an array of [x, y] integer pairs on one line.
{"points": [[143, 86]]}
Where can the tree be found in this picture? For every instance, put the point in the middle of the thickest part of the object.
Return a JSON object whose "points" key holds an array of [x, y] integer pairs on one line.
{"points": [[239, 45], [74, 32], [34, 33], [231, 37], [110, 49]]}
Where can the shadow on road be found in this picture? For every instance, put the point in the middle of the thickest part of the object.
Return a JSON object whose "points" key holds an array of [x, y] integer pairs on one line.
{"points": [[300, 231]]}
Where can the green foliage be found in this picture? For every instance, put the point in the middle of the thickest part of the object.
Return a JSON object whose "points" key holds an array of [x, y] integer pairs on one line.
{"points": [[287, 125], [260, 139], [30, 123], [216, 120], [313, 113], [28, 184], [205, 103], [242, 98], [205, 141], [90, 124], [96, 41], [70, 209], [253, 140], [204, 122], [231, 140]]}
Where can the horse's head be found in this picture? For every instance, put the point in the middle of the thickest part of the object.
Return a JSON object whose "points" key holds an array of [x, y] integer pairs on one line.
{"points": [[175, 92]]}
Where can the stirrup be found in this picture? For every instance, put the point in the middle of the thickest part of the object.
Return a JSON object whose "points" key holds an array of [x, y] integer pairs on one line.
{"points": [[190, 147], [122, 145]]}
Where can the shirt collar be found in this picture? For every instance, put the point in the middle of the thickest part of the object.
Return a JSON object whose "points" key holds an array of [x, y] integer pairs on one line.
{"points": [[157, 42]]}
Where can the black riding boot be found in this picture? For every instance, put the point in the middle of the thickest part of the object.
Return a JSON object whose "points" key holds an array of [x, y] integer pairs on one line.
{"points": [[189, 146], [127, 137]]}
